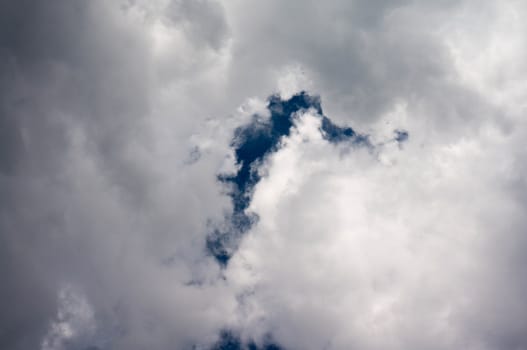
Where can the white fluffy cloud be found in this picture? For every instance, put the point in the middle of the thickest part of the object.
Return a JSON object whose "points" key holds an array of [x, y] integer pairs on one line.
{"points": [[395, 248]]}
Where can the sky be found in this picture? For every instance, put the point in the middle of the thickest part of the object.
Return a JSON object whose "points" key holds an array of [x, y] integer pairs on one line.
{"points": [[263, 175]]}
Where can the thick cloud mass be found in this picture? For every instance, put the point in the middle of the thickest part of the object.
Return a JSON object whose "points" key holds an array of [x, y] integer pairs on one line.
{"points": [[387, 213], [252, 144]]}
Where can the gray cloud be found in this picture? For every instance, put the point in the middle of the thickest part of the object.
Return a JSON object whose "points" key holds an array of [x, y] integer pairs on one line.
{"points": [[203, 21], [77, 172]]}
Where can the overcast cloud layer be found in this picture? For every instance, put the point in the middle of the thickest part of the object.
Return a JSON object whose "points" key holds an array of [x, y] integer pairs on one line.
{"points": [[117, 117]]}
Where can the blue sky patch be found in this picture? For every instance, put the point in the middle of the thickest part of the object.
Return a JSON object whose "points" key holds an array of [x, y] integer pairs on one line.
{"points": [[230, 341], [252, 143]]}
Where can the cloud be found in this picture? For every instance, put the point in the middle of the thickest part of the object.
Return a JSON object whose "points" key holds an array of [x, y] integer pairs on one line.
{"points": [[252, 144], [116, 119], [74, 316], [390, 249], [87, 197]]}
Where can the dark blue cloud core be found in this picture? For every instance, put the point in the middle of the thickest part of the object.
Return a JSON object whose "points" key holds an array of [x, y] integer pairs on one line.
{"points": [[252, 143]]}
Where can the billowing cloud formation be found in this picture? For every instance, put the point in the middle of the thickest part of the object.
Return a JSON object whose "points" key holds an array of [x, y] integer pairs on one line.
{"points": [[117, 117], [396, 249], [252, 144]]}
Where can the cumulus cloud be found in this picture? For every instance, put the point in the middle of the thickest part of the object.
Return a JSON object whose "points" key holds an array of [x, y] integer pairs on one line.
{"points": [[116, 119], [385, 249]]}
